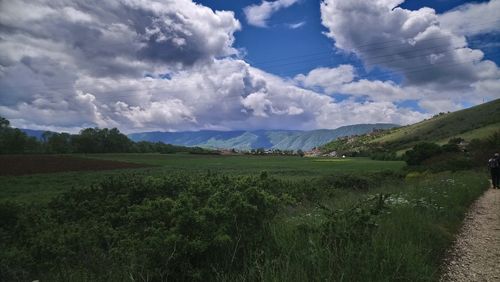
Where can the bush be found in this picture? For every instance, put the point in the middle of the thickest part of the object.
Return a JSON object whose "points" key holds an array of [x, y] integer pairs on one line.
{"points": [[358, 181], [421, 152], [174, 227]]}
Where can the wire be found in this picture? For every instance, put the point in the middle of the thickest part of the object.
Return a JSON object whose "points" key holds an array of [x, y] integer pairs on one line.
{"points": [[359, 77], [367, 45]]}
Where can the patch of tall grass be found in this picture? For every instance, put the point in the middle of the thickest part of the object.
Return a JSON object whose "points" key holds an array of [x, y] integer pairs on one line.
{"points": [[392, 233]]}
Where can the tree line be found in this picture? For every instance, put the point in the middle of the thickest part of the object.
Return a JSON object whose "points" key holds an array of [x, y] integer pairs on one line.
{"points": [[89, 140]]}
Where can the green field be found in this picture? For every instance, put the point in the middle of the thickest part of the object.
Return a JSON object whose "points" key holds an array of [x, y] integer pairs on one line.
{"points": [[42, 187], [220, 218]]}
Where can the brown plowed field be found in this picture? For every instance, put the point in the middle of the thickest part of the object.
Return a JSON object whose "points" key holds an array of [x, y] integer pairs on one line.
{"points": [[31, 164]]}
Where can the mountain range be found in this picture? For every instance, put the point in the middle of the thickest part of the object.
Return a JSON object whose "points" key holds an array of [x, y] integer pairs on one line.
{"points": [[267, 139]]}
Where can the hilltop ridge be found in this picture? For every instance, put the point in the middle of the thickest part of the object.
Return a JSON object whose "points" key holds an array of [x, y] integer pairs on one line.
{"points": [[472, 123]]}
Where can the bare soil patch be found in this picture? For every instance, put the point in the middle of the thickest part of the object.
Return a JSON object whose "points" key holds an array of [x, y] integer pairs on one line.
{"points": [[32, 164]]}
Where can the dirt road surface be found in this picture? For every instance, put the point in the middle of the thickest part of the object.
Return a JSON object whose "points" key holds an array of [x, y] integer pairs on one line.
{"points": [[476, 253]]}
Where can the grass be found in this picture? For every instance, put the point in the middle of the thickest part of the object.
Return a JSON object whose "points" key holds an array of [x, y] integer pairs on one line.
{"points": [[475, 122], [324, 228], [407, 243], [42, 187], [294, 167], [479, 133]]}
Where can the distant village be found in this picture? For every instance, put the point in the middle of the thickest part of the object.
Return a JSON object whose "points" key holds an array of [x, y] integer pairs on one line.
{"points": [[314, 152]]}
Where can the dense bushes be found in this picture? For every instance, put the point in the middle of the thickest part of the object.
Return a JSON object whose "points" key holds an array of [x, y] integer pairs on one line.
{"points": [[421, 152], [453, 156], [162, 228]]}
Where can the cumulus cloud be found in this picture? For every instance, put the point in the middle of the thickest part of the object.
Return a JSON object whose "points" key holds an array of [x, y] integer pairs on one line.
{"points": [[412, 43], [116, 37], [473, 18], [329, 79], [437, 106], [258, 15], [163, 65], [429, 50]]}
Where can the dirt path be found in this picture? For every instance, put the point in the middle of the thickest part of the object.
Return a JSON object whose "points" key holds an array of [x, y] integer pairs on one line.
{"points": [[476, 253]]}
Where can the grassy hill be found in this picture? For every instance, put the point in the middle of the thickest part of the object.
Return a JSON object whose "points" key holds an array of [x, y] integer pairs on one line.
{"points": [[475, 122]]}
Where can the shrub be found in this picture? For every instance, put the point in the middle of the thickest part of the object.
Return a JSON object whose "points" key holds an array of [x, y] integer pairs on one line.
{"points": [[421, 152], [173, 227], [358, 181]]}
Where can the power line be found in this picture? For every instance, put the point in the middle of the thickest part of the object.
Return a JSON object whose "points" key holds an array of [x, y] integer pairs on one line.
{"points": [[372, 64], [119, 93], [399, 43], [426, 66], [367, 58]]}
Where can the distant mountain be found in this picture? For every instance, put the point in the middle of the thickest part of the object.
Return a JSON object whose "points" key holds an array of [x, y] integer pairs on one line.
{"points": [[33, 133], [268, 139]]}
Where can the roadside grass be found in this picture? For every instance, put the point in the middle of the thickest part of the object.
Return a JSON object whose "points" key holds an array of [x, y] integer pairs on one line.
{"points": [[406, 242]]}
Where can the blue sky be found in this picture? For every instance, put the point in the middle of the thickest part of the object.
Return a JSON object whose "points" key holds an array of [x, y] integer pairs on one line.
{"points": [[283, 51], [236, 65]]}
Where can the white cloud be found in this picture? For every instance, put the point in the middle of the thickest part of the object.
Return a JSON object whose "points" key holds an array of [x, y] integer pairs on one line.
{"points": [[329, 79], [409, 42], [87, 66], [379, 90], [473, 18], [350, 112], [258, 15], [437, 106], [121, 37], [432, 56], [296, 25]]}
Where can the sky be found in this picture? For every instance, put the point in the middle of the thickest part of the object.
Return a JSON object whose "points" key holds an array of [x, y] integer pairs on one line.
{"points": [[183, 65]]}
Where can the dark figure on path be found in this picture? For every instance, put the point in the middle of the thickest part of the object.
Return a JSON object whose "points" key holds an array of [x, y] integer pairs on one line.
{"points": [[494, 165]]}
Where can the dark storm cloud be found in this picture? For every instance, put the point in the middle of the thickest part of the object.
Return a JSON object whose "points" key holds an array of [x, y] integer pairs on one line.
{"points": [[116, 37]]}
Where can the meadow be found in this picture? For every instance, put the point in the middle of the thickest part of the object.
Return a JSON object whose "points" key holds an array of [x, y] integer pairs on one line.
{"points": [[232, 218], [42, 187]]}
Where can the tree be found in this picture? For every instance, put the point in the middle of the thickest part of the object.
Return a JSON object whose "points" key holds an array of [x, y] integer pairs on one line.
{"points": [[57, 142], [14, 141], [4, 123], [87, 141], [300, 152]]}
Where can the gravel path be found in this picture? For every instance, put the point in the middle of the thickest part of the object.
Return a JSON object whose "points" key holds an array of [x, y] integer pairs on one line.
{"points": [[476, 253]]}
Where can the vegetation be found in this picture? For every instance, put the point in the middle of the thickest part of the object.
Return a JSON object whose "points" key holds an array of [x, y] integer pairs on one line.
{"points": [[216, 227], [475, 122], [421, 152], [89, 140], [14, 141], [245, 217], [40, 188], [451, 156]]}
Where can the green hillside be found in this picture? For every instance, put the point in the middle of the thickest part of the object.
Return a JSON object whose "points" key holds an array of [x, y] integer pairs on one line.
{"points": [[475, 122]]}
